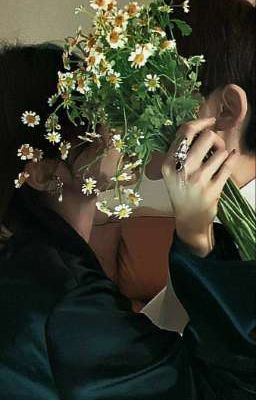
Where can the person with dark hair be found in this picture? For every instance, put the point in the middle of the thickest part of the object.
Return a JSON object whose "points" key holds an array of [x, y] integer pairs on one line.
{"points": [[229, 86], [228, 47], [66, 331]]}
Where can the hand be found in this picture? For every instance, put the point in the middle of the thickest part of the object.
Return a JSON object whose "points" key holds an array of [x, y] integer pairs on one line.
{"points": [[195, 201]]}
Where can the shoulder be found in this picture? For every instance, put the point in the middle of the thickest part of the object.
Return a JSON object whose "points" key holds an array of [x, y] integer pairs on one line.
{"points": [[35, 266]]}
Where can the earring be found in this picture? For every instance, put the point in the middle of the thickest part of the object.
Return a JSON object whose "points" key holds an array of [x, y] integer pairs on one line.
{"points": [[56, 188]]}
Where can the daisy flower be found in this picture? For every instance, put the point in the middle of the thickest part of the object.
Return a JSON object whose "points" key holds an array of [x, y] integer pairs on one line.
{"points": [[100, 4], [96, 80], [72, 42], [168, 45], [112, 6], [37, 155], [116, 38], [91, 41], [168, 122], [93, 60], [53, 137], [67, 100], [133, 9], [121, 20], [115, 79], [102, 206], [89, 186], [159, 31], [64, 149], [122, 211], [102, 22], [165, 9], [141, 54], [22, 178], [82, 84], [30, 118], [123, 177], [133, 197], [185, 6], [118, 143], [152, 82], [106, 67], [52, 100], [25, 152], [66, 81]]}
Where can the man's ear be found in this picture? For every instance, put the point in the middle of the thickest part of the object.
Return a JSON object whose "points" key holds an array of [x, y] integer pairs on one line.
{"points": [[41, 174], [233, 109]]}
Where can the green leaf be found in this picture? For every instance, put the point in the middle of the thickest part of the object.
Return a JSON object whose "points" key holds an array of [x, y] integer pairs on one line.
{"points": [[185, 29]]}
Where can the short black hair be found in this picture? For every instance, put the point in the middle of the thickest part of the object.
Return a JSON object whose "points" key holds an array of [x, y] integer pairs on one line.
{"points": [[28, 77], [224, 31]]}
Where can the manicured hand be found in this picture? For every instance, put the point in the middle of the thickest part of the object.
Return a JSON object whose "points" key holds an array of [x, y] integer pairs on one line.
{"points": [[195, 192]]}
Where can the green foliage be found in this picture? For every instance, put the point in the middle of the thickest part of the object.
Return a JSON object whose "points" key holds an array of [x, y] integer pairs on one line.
{"points": [[184, 28]]}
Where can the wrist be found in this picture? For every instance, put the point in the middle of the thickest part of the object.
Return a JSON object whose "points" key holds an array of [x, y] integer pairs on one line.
{"points": [[199, 241]]}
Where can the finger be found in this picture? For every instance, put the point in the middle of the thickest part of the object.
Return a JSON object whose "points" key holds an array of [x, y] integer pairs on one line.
{"points": [[189, 130], [213, 164], [224, 173], [192, 128], [208, 140]]}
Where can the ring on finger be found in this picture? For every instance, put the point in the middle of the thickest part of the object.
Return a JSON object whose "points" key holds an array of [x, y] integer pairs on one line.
{"points": [[181, 154]]}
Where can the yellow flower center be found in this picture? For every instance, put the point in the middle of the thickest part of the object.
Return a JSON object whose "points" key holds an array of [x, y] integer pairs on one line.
{"points": [[113, 79], [30, 119], [80, 82], [119, 20], [132, 198], [91, 41], [114, 37], [100, 3], [139, 58], [25, 151], [104, 66], [95, 79], [152, 83], [167, 44], [123, 213], [91, 60], [132, 9], [111, 6]]}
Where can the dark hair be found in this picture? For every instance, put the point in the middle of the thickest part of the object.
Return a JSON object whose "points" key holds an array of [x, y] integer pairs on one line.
{"points": [[224, 31], [28, 77]]}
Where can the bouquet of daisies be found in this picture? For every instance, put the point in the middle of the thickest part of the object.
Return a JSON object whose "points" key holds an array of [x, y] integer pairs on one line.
{"points": [[128, 75]]}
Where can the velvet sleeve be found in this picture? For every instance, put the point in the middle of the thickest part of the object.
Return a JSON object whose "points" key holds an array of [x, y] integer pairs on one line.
{"points": [[219, 294], [100, 349]]}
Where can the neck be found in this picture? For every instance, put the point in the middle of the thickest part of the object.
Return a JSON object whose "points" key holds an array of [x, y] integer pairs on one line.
{"points": [[80, 216], [244, 175]]}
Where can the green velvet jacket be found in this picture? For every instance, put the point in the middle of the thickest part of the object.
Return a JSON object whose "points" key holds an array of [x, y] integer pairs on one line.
{"points": [[67, 333]]}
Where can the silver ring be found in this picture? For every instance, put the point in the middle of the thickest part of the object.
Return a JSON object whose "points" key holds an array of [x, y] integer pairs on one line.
{"points": [[181, 154]]}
